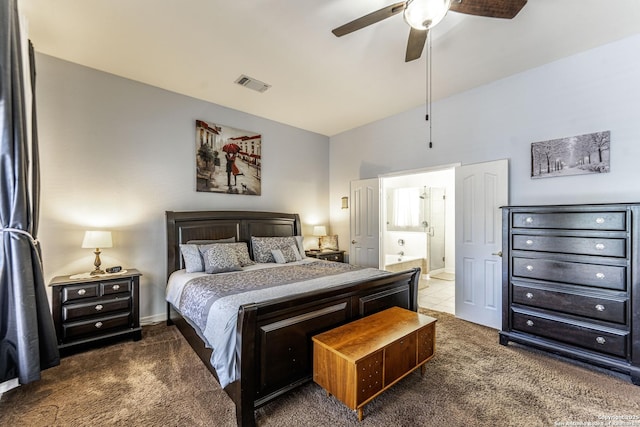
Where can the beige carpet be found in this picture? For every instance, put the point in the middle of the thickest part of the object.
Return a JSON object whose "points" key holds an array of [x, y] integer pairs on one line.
{"points": [[472, 381]]}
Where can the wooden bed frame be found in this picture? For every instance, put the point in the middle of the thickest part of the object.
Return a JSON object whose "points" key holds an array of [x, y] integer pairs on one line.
{"points": [[274, 337]]}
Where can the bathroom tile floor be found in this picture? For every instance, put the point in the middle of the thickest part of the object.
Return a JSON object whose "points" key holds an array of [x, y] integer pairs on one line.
{"points": [[438, 295]]}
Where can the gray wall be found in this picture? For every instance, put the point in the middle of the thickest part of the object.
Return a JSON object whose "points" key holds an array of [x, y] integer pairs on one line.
{"points": [[593, 91], [116, 154]]}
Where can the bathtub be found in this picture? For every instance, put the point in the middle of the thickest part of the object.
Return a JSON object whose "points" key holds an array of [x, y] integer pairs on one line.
{"points": [[403, 262]]}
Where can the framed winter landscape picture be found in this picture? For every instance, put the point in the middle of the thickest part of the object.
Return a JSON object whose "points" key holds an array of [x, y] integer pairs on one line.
{"points": [[228, 160], [576, 155]]}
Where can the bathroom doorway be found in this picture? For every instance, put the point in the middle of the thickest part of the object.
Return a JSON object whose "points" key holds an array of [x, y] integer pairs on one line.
{"points": [[418, 229]]}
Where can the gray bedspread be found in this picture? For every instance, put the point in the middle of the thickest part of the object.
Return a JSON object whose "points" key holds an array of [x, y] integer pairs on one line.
{"points": [[211, 302]]}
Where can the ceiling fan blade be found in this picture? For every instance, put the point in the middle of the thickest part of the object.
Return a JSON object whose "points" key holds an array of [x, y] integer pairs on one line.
{"points": [[415, 45], [372, 18], [506, 9]]}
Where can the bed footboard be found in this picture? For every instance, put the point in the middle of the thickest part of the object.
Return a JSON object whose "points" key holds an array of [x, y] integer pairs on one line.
{"points": [[274, 338]]}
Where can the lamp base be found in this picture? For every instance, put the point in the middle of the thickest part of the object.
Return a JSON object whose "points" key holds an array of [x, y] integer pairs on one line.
{"points": [[97, 263]]}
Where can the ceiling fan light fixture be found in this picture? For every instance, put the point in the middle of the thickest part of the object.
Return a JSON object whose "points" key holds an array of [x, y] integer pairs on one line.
{"points": [[425, 14]]}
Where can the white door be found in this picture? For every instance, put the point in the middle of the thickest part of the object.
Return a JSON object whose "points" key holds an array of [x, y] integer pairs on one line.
{"points": [[480, 191], [365, 223]]}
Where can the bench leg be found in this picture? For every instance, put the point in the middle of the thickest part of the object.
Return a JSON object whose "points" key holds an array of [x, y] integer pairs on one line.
{"points": [[360, 414]]}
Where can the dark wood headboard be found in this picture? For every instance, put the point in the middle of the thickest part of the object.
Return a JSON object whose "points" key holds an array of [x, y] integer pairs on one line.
{"points": [[212, 225]]}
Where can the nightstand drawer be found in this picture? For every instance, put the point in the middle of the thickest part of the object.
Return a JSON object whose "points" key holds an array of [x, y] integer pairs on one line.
{"points": [[98, 308], [83, 291], [95, 326], [115, 287], [332, 257]]}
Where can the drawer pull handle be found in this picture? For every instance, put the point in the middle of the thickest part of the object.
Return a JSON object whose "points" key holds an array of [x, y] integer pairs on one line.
{"points": [[530, 267], [600, 275], [600, 307], [116, 287], [82, 291], [528, 220], [600, 220], [529, 295], [599, 246], [529, 322], [601, 340], [529, 242], [99, 307], [98, 325]]}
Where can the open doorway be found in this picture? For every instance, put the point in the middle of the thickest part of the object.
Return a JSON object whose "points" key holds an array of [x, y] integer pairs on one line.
{"points": [[418, 230]]}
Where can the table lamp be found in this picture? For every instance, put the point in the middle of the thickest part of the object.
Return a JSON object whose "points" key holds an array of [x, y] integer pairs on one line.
{"points": [[319, 231], [97, 240]]}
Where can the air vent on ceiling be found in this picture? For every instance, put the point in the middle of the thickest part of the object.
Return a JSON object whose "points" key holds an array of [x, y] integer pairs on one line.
{"points": [[252, 83]]}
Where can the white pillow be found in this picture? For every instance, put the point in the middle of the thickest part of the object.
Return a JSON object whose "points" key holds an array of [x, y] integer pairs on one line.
{"points": [[192, 258], [299, 241]]}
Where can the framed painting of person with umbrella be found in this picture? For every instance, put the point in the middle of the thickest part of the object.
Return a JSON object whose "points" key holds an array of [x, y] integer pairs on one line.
{"points": [[228, 160]]}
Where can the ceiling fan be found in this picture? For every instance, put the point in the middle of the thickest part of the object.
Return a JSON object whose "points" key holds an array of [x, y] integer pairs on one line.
{"points": [[422, 15]]}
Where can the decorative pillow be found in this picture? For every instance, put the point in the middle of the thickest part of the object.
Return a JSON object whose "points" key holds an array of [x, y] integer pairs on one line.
{"points": [[262, 246], [242, 252], [220, 258], [286, 254], [192, 255]]}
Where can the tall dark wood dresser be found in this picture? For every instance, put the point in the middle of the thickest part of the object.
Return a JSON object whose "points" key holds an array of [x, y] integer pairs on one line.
{"points": [[570, 282]]}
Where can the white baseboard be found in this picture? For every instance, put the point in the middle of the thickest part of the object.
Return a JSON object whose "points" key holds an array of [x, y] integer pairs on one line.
{"points": [[8, 385], [150, 320]]}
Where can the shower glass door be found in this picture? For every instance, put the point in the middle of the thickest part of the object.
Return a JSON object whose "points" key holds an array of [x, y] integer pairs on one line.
{"points": [[435, 209]]}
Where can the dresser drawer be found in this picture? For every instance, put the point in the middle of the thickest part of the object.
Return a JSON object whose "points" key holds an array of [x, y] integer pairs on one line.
{"points": [[601, 308], [572, 245], [95, 326], [115, 287], [77, 292], [582, 334], [602, 276], [571, 220], [97, 308]]}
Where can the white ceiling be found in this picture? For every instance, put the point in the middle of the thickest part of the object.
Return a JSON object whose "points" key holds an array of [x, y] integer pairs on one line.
{"points": [[320, 83]]}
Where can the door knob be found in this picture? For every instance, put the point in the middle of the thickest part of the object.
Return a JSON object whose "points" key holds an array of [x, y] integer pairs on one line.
{"points": [[353, 242], [499, 253]]}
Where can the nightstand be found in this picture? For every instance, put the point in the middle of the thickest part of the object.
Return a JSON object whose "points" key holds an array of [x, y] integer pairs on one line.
{"points": [[87, 309], [337, 256]]}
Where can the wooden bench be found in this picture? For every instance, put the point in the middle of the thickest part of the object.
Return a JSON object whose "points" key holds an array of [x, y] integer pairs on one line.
{"points": [[358, 361]]}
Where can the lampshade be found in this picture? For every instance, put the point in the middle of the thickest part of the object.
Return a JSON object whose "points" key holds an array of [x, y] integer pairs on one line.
{"points": [[425, 14], [97, 239], [319, 230]]}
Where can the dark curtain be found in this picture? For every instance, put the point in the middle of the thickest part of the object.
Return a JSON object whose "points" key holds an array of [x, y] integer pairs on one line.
{"points": [[27, 336]]}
